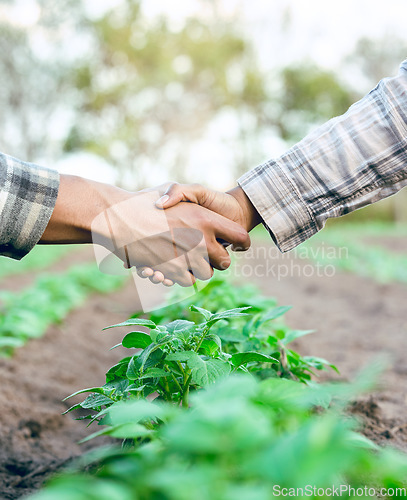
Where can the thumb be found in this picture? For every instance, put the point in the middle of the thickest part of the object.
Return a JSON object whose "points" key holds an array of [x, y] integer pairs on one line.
{"points": [[176, 193]]}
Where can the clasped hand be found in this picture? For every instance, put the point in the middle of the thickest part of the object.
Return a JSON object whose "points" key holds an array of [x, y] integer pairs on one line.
{"points": [[180, 244], [234, 209]]}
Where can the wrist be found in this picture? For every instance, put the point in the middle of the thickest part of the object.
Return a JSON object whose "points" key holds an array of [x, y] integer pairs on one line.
{"points": [[250, 216]]}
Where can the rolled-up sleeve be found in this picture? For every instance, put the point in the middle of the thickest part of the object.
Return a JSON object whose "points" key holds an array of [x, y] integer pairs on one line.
{"points": [[347, 163], [28, 193]]}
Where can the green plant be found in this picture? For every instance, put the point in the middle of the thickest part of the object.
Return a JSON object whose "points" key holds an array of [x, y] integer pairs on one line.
{"points": [[182, 356], [173, 359], [40, 257], [241, 440], [29, 313], [264, 331], [356, 248]]}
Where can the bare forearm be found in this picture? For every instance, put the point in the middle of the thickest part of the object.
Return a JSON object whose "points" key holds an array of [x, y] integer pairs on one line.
{"points": [[79, 201]]}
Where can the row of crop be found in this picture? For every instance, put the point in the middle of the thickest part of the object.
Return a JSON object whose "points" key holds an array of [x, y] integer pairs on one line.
{"points": [[28, 314], [41, 257], [229, 419], [356, 249]]}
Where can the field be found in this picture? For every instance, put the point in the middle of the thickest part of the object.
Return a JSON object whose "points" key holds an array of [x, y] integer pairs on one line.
{"points": [[357, 311]]}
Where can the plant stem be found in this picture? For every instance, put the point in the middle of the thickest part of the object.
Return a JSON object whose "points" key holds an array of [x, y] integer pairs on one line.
{"points": [[174, 378], [204, 333], [167, 396], [185, 393], [181, 367]]}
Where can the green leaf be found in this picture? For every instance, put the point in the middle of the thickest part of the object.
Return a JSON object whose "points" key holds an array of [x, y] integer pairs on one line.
{"points": [[153, 334], [319, 363], [148, 358], [232, 335], [137, 411], [272, 340], [97, 390], [119, 370], [11, 342], [74, 407], [114, 347], [117, 386], [147, 353], [280, 333], [138, 340], [274, 313], [205, 372], [295, 334], [134, 321], [122, 431], [96, 401], [178, 326], [133, 369], [214, 338], [205, 313], [210, 347], [182, 356], [229, 314], [154, 373], [242, 358]]}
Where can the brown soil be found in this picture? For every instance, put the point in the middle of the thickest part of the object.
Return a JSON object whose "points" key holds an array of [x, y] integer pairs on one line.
{"points": [[356, 321], [35, 439], [394, 244]]}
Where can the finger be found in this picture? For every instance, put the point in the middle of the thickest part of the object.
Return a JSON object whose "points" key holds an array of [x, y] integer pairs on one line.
{"points": [[171, 197], [176, 193], [145, 272], [140, 270], [185, 280], [218, 256], [231, 232], [177, 271], [165, 282], [157, 277], [199, 265]]}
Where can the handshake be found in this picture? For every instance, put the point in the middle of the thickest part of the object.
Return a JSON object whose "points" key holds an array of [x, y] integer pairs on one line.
{"points": [[176, 233]]}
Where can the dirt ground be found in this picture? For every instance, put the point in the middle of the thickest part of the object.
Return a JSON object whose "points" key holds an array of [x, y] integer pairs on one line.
{"points": [[356, 321]]}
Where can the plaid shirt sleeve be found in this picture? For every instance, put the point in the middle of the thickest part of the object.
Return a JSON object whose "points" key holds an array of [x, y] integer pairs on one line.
{"points": [[28, 194], [349, 162]]}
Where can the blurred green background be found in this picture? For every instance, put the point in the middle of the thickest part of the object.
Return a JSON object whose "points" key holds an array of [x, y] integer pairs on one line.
{"points": [[138, 92]]}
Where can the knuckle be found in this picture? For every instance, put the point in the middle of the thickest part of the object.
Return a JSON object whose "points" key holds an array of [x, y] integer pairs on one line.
{"points": [[172, 187], [242, 236]]}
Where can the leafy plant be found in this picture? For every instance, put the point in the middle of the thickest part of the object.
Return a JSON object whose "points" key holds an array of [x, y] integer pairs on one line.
{"points": [[242, 439], [264, 332], [40, 257], [29, 313], [344, 246], [172, 360], [182, 356]]}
